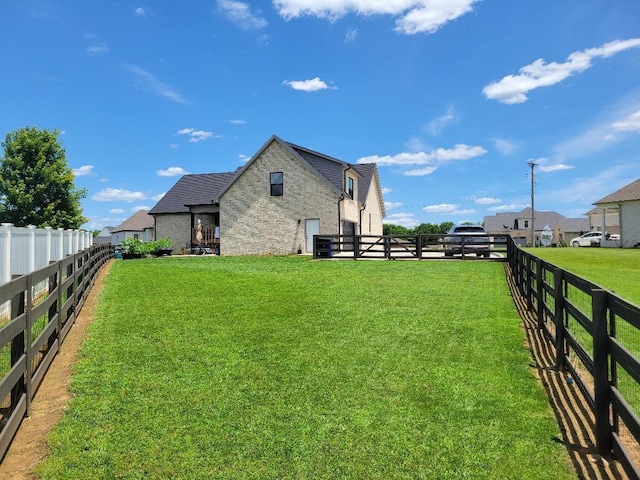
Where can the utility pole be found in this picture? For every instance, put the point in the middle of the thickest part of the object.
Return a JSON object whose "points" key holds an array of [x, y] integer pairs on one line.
{"points": [[532, 164]]}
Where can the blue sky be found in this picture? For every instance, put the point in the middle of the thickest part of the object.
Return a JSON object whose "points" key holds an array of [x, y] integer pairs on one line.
{"points": [[451, 98]]}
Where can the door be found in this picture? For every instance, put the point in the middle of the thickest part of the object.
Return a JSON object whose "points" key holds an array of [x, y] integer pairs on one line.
{"points": [[311, 228]]}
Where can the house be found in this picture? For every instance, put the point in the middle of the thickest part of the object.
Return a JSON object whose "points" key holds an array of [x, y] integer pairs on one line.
{"points": [[625, 203], [518, 225], [139, 225], [274, 204], [104, 236]]}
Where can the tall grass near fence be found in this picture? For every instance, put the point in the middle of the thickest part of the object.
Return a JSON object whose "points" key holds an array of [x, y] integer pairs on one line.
{"points": [[290, 368]]}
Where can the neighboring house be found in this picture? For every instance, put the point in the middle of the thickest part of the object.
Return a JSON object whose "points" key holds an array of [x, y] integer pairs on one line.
{"points": [[612, 224], [274, 204], [104, 236], [139, 225], [626, 204], [518, 225]]}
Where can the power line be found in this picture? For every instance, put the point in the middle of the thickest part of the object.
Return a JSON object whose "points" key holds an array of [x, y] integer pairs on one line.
{"points": [[464, 199]]}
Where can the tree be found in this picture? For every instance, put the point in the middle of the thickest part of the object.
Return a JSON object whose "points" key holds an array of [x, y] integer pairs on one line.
{"points": [[36, 184], [391, 229]]}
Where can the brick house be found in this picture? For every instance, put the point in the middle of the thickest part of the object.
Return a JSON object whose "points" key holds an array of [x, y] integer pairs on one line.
{"points": [[274, 204], [139, 225]]}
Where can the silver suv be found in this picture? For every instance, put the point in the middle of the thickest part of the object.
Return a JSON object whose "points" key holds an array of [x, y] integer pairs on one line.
{"points": [[470, 238]]}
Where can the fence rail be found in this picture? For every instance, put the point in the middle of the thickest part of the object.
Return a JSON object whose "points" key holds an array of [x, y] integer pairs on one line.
{"points": [[597, 341], [409, 247], [36, 325]]}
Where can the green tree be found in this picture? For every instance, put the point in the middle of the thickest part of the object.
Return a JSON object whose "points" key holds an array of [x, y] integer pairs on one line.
{"points": [[391, 229], [36, 184]]}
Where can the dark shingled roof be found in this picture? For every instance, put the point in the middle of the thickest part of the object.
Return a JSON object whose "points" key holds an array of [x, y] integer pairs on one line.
{"points": [[330, 168], [625, 194], [196, 189], [137, 222]]}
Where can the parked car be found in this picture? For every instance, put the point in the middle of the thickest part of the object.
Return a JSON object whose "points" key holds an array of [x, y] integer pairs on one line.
{"points": [[589, 239], [471, 238]]}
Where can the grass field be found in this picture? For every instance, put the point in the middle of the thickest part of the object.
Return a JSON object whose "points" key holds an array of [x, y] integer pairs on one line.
{"points": [[616, 269], [291, 368]]}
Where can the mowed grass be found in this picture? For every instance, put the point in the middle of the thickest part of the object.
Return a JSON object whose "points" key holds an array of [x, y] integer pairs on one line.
{"points": [[277, 368], [616, 269]]}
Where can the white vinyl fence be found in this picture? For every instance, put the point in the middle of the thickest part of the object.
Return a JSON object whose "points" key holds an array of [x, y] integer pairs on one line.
{"points": [[26, 249]]}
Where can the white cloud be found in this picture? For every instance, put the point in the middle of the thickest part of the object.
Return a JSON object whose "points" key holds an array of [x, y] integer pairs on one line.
{"points": [[404, 219], [240, 14], [142, 11], [312, 85], [351, 35], [629, 124], [505, 147], [116, 194], [514, 88], [172, 172], [158, 197], [442, 208], [458, 152], [420, 172], [554, 168], [514, 207], [244, 158], [196, 135], [412, 16], [140, 207], [83, 171], [465, 211], [392, 205], [116, 211], [174, 145], [435, 127], [237, 122], [99, 48], [386, 190], [487, 200], [147, 82]]}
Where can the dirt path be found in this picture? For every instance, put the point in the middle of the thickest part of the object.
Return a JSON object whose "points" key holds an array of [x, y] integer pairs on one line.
{"points": [[29, 446]]}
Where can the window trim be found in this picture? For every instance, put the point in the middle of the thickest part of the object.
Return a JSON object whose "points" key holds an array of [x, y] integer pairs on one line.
{"points": [[273, 184]]}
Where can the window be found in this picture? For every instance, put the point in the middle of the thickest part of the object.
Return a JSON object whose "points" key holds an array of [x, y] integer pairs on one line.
{"points": [[277, 183], [526, 224], [350, 186]]}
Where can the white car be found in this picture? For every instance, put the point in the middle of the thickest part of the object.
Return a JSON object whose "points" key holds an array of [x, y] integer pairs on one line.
{"points": [[589, 239]]}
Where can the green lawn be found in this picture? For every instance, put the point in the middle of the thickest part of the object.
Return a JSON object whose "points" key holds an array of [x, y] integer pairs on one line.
{"points": [[616, 269], [205, 367]]}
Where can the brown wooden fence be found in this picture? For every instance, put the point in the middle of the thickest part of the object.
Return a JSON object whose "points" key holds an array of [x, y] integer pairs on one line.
{"points": [[43, 307], [597, 339], [409, 247]]}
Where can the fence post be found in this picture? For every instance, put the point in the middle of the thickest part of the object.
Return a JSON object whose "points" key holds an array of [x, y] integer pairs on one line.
{"points": [[601, 371], [5, 264], [419, 246], [540, 293], [356, 246], [18, 304], [558, 320], [529, 269]]}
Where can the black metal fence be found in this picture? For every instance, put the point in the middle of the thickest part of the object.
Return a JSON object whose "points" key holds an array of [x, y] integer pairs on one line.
{"points": [[42, 307], [597, 339], [409, 247]]}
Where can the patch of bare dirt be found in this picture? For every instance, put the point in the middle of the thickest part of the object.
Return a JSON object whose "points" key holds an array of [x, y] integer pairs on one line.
{"points": [[29, 446]]}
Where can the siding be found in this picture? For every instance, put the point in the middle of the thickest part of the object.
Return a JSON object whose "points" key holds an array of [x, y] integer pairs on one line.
{"points": [[630, 223], [252, 222]]}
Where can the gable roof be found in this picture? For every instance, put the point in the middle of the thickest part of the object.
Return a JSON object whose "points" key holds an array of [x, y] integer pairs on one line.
{"points": [[498, 222], [625, 194], [207, 188], [192, 189], [138, 222]]}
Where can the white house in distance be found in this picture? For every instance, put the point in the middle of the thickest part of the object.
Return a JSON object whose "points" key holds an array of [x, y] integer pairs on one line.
{"points": [[274, 205], [626, 204], [139, 225]]}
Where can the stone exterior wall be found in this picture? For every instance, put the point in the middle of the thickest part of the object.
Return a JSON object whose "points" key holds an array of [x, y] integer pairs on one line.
{"points": [[252, 222], [630, 223], [177, 227], [371, 217]]}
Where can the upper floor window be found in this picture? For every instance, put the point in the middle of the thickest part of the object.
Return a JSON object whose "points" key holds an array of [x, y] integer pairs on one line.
{"points": [[526, 224], [277, 183], [350, 186]]}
